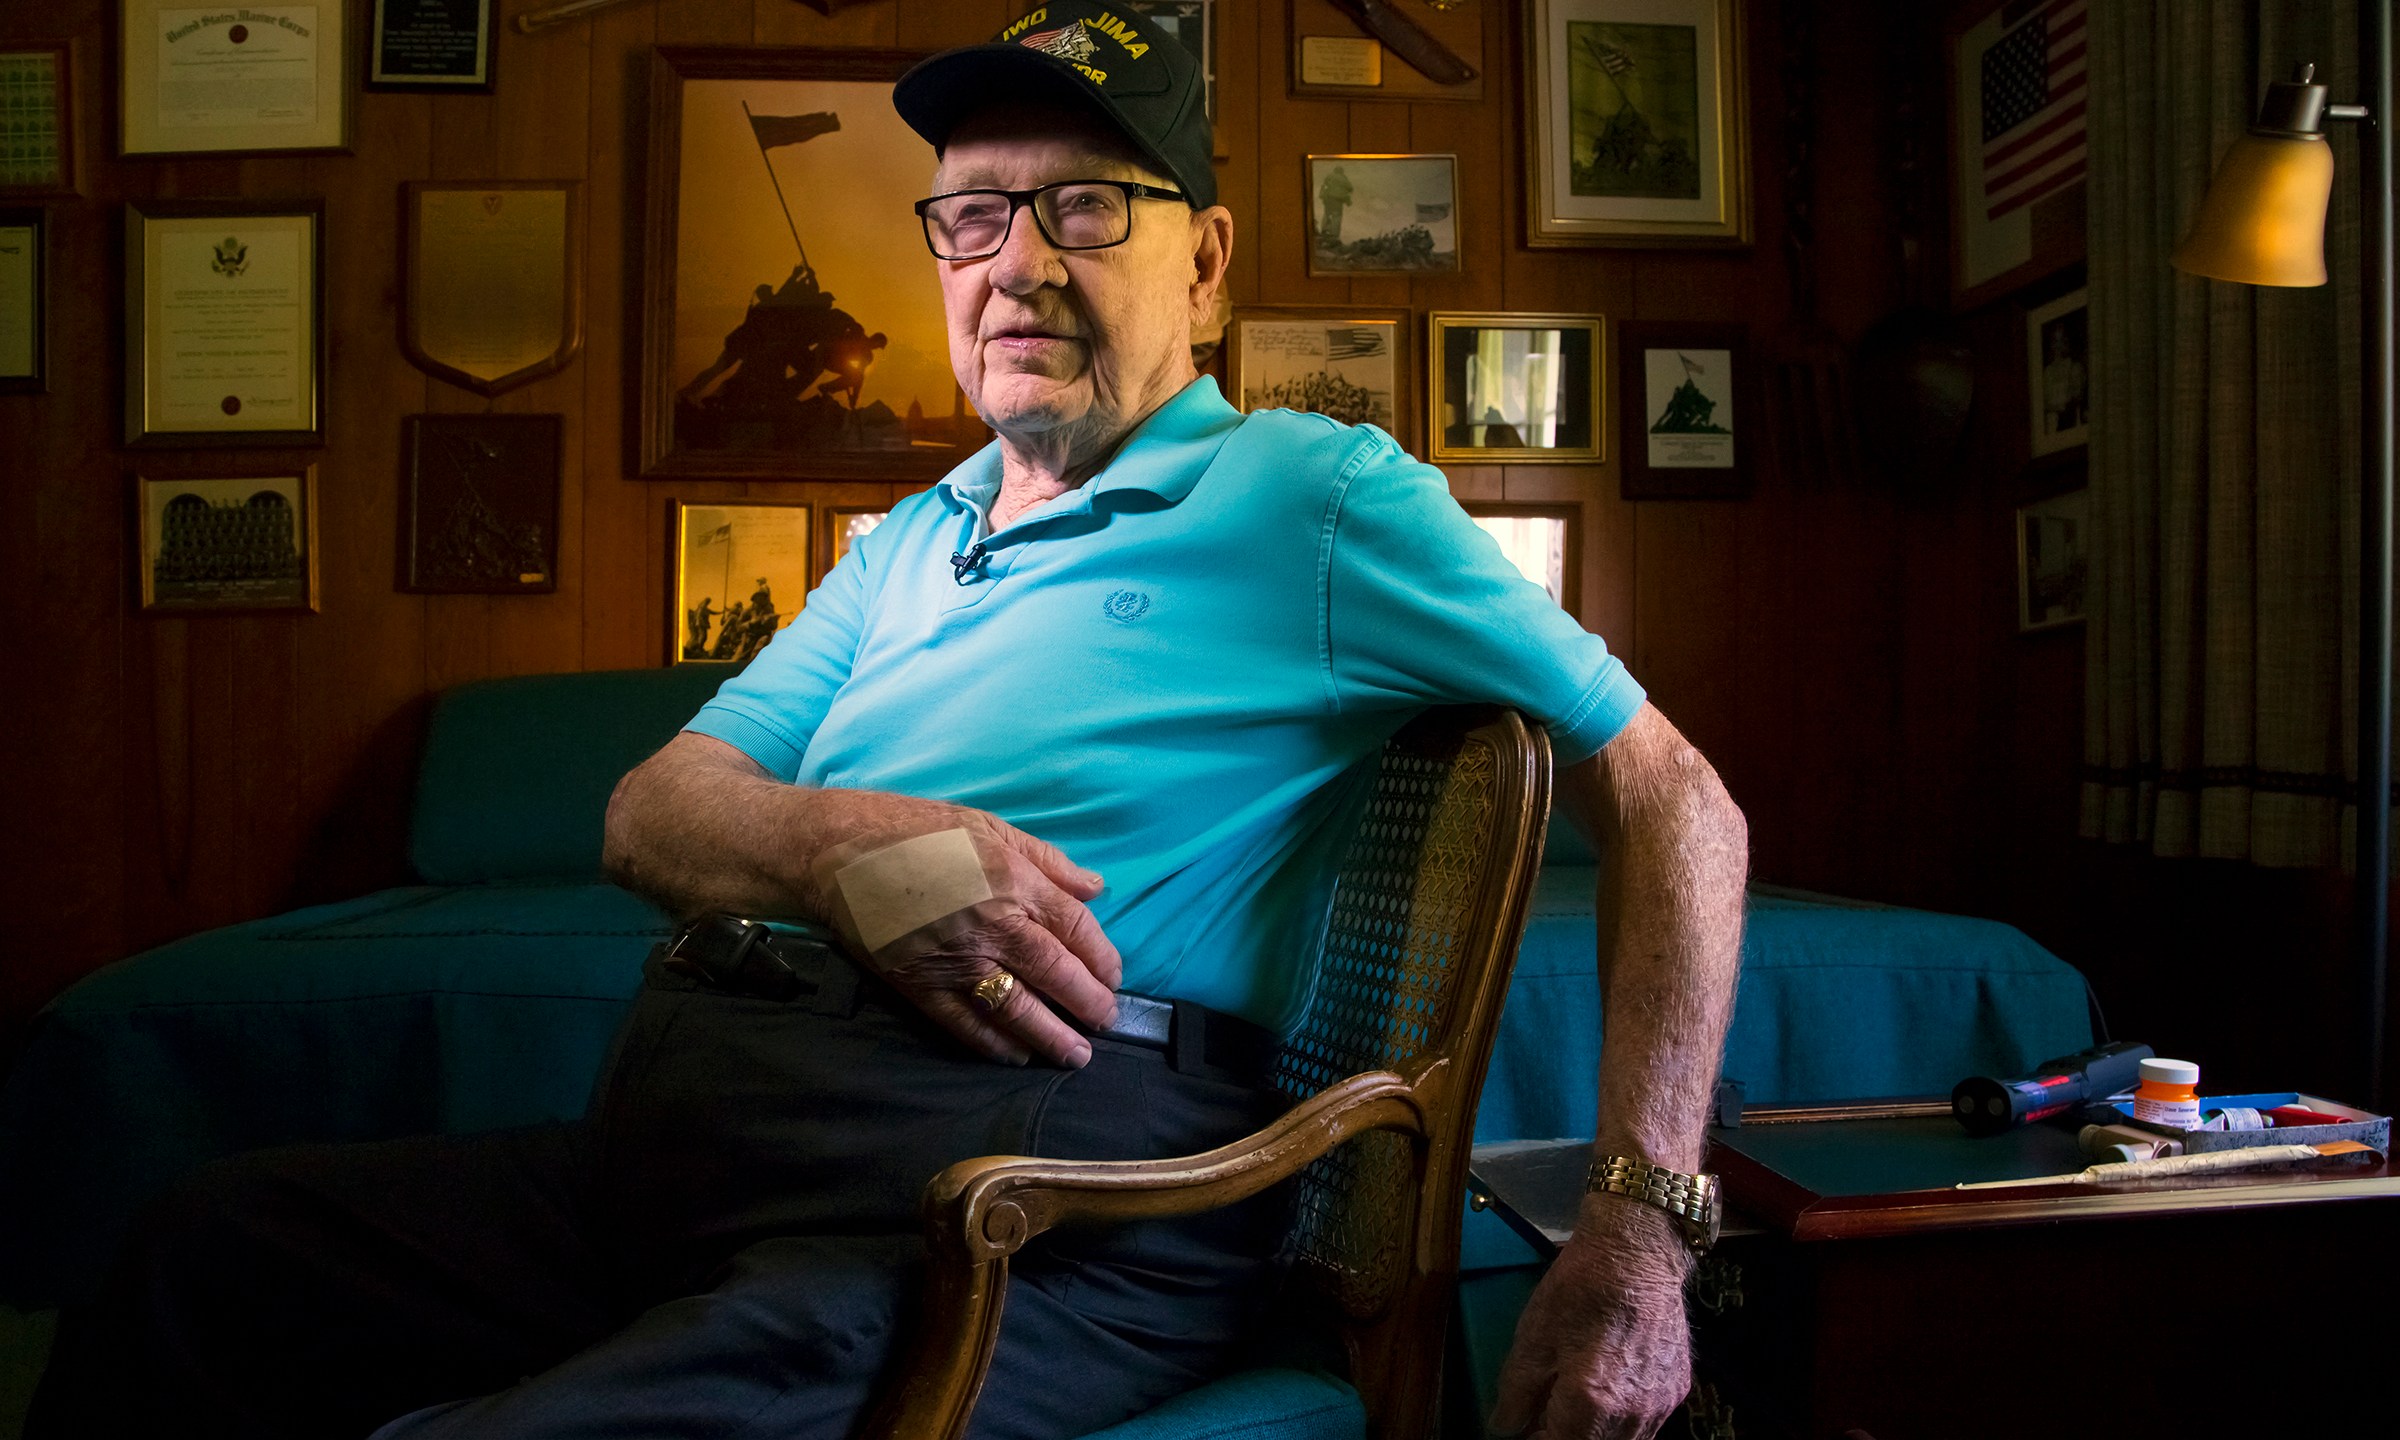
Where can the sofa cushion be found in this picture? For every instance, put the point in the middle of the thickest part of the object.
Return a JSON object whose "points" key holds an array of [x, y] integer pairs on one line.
{"points": [[516, 773], [407, 1011]]}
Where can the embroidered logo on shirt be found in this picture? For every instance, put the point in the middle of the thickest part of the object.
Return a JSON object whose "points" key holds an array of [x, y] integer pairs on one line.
{"points": [[1126, 606]]}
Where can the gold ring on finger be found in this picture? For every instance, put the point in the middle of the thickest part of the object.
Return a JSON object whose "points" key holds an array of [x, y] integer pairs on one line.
{"points": [[993, 990]]}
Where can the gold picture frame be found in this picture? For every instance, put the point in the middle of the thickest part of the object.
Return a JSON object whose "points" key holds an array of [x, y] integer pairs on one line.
{"points": [[1401, 194], [770, 540], [227, 540], [1681, 167], [254, 79], [749, 266], [1560, 525], [1552, 385]]}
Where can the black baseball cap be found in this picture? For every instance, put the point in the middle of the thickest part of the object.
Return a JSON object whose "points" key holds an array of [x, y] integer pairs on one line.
{"points": [[1138, 77]]}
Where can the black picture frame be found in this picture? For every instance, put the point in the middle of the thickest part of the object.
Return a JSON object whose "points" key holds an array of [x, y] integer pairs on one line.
{"points": [[34, 219], [479, 504], [1639, 478], [446, 47]]}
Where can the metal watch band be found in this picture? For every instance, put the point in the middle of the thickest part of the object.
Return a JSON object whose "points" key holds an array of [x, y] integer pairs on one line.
{"points": [[1691, 1199]]}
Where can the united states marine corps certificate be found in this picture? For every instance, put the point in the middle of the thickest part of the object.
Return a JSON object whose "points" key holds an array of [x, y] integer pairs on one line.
{"points": [[224, 321], [232, 77]]}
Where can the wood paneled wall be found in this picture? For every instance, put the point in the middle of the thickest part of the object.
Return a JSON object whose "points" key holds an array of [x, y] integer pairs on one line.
{"points": [[1845, 652]]}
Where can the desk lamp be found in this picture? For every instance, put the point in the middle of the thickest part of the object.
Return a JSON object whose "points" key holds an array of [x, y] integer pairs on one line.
{"points": [[2262, 222]]}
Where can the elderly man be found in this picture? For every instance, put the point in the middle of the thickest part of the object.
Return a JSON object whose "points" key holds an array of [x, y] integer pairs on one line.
{"points": [[1141, 632]]}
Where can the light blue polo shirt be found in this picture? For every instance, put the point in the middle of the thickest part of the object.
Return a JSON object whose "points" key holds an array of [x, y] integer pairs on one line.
{"points": [[1173, 673]]}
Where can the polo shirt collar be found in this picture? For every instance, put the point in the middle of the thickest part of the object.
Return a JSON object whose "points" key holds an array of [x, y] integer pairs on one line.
{"points": [[1164, 456]]}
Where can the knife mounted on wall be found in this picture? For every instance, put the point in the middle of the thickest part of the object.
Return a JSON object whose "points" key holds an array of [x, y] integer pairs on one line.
{"points": [[1408, 40]]}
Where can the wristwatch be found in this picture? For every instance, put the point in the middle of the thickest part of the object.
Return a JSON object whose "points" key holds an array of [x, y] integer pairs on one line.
{"points": [[1690, 1199]]}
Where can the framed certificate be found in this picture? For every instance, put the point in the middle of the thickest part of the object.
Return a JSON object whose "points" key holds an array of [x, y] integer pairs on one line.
{"points": [[224, 344], [24, 300], [439, 45], [204, 79], [37, 119]]}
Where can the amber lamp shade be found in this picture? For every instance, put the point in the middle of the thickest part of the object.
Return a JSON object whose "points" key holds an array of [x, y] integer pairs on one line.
{"points": [[2263, 219]]}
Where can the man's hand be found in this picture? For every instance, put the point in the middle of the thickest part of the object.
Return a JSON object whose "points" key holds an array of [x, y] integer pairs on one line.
{"points": [[1603, 1348], [699, 826], [1034, 925]]}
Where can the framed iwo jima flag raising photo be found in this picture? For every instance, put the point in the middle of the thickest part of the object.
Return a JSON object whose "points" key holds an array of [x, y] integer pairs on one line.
{"points": [[2018, 85], [793, 322]]}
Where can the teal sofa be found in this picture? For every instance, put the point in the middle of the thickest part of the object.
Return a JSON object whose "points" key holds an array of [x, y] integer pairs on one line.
{"points": [[484, 994]]}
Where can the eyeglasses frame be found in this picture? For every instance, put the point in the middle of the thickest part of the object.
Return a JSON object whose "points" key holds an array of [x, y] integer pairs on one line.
{"points": [[1023, 200]]}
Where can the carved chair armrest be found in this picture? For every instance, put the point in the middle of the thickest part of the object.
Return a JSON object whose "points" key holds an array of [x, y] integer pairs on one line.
{"points": [[980, 1212]]}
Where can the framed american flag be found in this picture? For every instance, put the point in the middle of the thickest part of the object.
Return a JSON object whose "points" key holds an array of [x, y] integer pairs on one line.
{"points": [[2018, 86]]}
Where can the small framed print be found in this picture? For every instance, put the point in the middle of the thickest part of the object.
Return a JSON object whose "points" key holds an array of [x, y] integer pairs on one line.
{"points": [[2053, 542], [228, 541], [841, 526], [479, 504], [741, 573], [24, 300], [257, 79], [1688, 398], [1544, 542], [1348, 362], [37, 119], [223, 344], [442, 46], [1635, 132], [1515, 388], [2058, 381], [1382, 214]]}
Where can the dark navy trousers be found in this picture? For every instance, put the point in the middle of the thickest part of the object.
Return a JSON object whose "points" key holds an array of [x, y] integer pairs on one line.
{"points": [[726, 1246]]}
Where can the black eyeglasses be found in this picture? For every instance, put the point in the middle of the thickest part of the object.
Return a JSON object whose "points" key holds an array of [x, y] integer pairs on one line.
{"points": [[1073, 214]]}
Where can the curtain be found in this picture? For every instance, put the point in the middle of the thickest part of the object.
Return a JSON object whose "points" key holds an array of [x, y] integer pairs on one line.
{"points": [[2221, 652]]}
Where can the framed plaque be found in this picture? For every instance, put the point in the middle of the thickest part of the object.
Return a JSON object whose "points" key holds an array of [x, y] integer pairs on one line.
{"points": [[228, 541], [24, 300], [479, 504], [257, 78], [443, 46], [791, 326], [1688, 395], [740, 572], [224, 344], [492, 289], [37, 119], [1335, 56]]}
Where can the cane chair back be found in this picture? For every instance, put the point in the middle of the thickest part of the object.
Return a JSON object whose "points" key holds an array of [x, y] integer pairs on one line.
{"points": [[1427, 914], [1385, 1068]]}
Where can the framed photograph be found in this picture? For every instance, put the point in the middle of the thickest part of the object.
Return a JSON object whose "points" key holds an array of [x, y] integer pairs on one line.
{"points": [[37, 119], [792, 320], [479, 504], [1336, 57], [1688, 398], [741, 574], [838, 528], [1544, 542], [1382, 214], [442, 46], [1635, 131], [492, 287], [2017, 99], [1349, 362], [257, 79], [2058, 382], [2052, 543], [228, 541], [223, 339], [24, 300], [1515, 388], [1193, 23]]}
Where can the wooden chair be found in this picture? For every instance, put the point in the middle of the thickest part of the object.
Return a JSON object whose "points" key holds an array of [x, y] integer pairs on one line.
{"points": [[1385, 1066]]}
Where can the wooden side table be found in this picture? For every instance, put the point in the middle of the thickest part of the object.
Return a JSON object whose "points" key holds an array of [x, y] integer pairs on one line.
{"points": [[1857, 1293]]}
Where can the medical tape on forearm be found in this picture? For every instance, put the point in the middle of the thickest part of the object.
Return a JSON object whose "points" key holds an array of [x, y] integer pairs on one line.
{"points": [[895, 900]]}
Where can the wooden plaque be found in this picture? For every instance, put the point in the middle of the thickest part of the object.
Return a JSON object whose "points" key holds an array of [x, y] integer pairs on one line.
{"points": [[492, 291]]}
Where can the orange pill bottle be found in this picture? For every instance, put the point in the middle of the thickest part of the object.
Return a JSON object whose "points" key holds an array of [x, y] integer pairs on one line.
{"points": [[2168, 1095]]}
